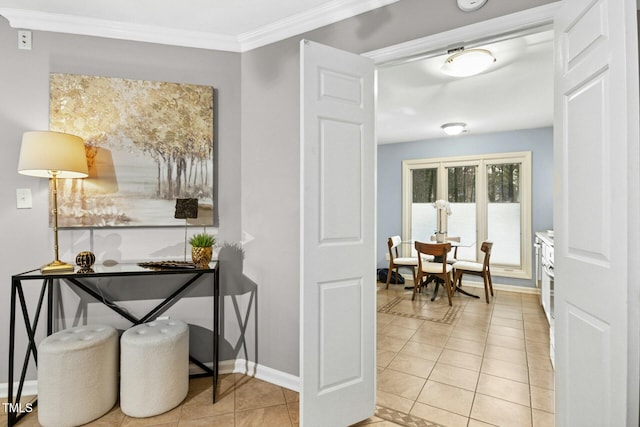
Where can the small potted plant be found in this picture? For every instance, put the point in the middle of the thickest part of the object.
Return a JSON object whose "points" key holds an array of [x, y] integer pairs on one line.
{"points": [[202, 249]]}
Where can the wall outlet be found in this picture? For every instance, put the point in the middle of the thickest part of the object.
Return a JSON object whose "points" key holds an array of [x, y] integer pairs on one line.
{"points": [[24, 39]]}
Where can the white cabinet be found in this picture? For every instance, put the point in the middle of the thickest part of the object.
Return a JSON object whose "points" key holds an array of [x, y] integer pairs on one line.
{"points": [[544, 271], [545, 294], [545, 278]]}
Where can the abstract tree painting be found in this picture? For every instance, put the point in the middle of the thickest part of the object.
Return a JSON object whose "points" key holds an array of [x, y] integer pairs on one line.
{"points": [[148, 143]]}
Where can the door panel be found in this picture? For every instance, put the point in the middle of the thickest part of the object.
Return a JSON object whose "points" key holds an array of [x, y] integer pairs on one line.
{"points": [[589, 236], [337, 237], [340, 193], [339, 369], [595, 128]]}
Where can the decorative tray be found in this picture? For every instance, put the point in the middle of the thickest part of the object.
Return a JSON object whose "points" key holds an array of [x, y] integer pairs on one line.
{"points": [[163, 265]]}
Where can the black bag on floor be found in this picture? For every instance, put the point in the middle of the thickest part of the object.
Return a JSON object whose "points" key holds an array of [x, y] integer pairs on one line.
{"points": [[382, 276]]}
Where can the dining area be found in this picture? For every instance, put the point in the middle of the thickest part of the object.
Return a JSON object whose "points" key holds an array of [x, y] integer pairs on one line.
{"points": [[436, 262], [468, 364], [449, 350], [455, 353]]}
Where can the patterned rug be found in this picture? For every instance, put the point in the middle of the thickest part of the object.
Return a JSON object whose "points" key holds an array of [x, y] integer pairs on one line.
{"points": [[402, 418], [448, 316]]}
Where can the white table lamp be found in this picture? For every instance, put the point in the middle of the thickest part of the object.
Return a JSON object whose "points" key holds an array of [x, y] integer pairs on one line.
{"points": [[53, 155]]}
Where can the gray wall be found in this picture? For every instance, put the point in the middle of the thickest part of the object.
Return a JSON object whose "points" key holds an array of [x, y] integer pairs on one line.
{"points": [[258, 134], [390, 157], [24, 105]]}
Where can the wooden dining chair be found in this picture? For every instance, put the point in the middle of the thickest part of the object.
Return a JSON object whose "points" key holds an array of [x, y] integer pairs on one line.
{"points": [[477, 269], [396, 261], [427, 269]]}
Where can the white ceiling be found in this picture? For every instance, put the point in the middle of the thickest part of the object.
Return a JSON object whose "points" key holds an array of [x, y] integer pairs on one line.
{"points": [[414, 98]]}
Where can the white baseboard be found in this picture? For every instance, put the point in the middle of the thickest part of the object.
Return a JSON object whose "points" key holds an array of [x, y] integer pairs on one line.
{"points": [[496, 286], [499, 287], [264, 373], [246, 367], [30, 388], [238, 366]]}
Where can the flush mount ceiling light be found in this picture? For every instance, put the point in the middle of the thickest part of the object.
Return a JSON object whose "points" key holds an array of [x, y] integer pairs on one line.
{"points": [[468, 62], [453, 128]]}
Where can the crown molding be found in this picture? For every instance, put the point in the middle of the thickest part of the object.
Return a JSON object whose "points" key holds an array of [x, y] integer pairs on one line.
{"points": [[329, 13], [71, 24], [309, 20]]}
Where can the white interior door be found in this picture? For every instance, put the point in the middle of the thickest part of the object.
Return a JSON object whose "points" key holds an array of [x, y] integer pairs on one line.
{"points": [[337, 361], [596, 213]]}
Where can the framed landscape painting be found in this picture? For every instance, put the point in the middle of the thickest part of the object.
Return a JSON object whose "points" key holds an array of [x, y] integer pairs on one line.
{"points": [[148, 144]]}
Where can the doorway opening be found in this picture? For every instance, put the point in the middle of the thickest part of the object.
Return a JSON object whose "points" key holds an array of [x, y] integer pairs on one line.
{"points": [[507, 108]]}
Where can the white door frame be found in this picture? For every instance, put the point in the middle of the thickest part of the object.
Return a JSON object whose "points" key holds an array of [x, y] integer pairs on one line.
{"points": [[530, 18]]}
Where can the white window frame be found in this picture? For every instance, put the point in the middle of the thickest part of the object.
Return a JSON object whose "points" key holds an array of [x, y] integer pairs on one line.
{"points": [[481, 161]]}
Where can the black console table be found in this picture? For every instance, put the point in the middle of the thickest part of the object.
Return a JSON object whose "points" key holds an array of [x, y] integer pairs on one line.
{"points": [[185, 274]]}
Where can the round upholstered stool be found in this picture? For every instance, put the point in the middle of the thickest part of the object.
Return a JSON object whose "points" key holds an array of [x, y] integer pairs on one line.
{"points": [[154, 367], [77, 375]]}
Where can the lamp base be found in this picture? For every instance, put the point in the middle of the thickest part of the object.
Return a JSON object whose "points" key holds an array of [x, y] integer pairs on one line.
{"points": [[56, 266]]}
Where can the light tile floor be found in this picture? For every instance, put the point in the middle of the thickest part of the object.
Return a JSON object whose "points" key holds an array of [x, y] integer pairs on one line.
{"points": [[475, 364], [241, 401], [472, 365]]}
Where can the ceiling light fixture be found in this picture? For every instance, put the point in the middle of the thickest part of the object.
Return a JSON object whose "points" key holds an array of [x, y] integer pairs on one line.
{"points": [[454, 128], [468, 62]]}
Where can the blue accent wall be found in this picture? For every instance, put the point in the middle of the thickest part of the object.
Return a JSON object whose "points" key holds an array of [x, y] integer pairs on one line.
{"points": [[390, 156]]}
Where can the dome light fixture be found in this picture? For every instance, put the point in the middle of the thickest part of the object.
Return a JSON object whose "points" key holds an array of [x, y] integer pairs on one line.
{"points": [[454, 128], [470, 62]]}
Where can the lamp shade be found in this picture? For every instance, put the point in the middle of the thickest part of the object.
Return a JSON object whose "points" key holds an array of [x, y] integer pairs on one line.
{"points": [[43, 152]]}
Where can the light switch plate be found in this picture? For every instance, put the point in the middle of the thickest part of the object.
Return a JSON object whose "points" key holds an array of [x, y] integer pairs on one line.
{"points": [[23, 198]]}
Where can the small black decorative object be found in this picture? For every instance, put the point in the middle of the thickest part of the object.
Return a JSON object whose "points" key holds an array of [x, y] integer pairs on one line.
{"points": [[186, 208], [85, 259]]}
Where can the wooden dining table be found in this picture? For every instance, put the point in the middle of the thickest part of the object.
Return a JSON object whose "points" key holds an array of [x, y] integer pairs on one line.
{"points": [[454, 244]]}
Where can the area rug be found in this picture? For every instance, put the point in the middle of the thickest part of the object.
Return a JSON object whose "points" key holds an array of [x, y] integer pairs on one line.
{"points": [[403, 419], [448, 317]]}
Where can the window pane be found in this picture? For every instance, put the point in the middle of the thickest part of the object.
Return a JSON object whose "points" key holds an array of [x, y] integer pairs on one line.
{"points": [[503, 213], [461, 189], [461, 184], [423, 215], [425, 185], [503, 183]]}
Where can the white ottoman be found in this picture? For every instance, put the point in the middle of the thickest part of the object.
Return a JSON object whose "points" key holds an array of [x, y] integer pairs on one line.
{"points": [[77, 375], [154, 367]]}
